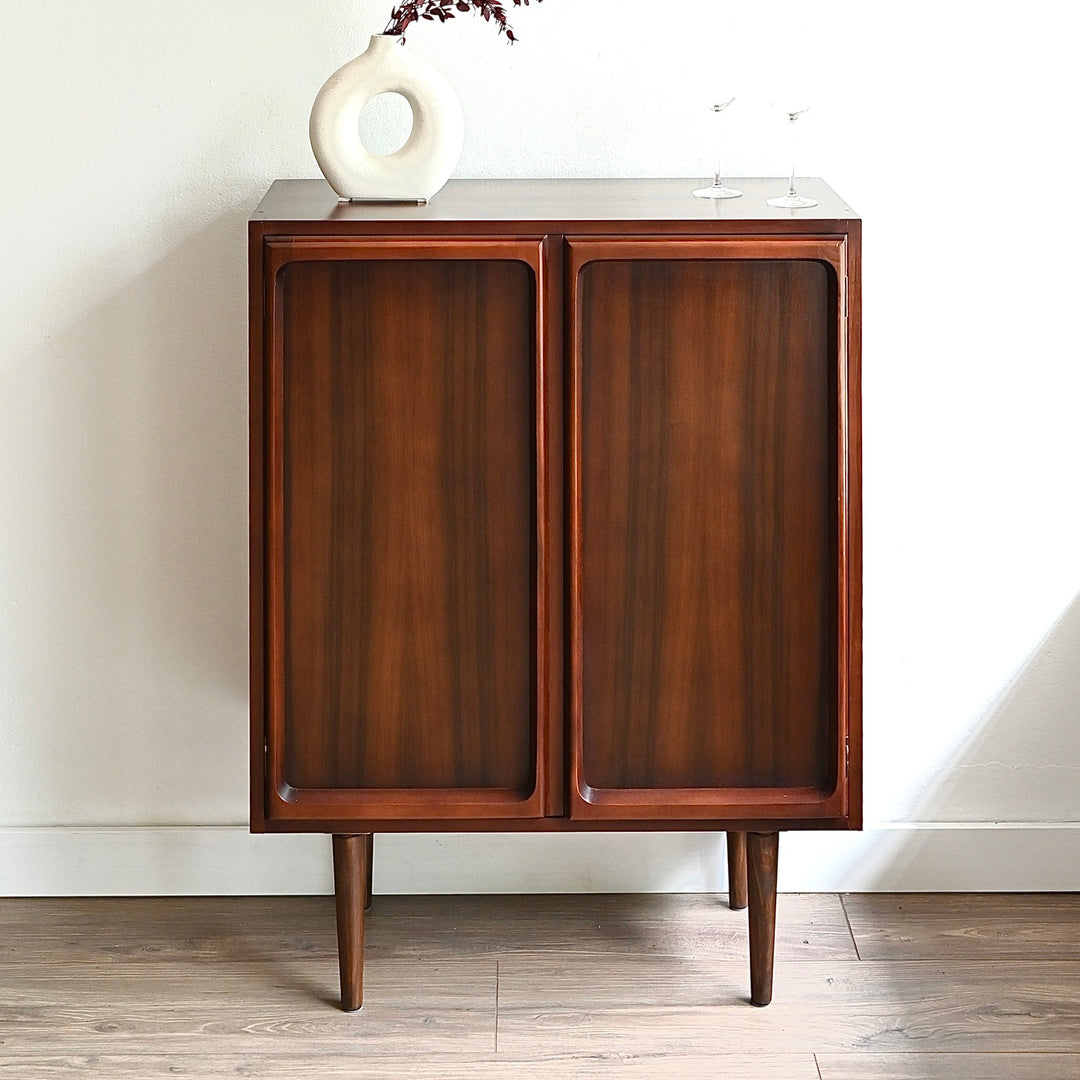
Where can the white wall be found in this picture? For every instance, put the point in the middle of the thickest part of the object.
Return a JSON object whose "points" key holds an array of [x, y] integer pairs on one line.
{"points": [[136, 139]]}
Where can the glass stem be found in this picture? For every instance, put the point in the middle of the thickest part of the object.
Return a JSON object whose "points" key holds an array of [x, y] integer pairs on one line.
{"points": [[791, 141]]}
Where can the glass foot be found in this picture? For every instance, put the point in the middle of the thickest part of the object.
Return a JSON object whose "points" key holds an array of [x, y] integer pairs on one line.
{"points": [[792, 202], [718, 191]]}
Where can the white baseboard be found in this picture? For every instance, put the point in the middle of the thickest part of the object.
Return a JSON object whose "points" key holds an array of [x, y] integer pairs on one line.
{"points": [[222, 860]]}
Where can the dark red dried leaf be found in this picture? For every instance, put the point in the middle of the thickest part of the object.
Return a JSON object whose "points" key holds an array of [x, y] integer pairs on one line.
{"points": [[405, 14]]}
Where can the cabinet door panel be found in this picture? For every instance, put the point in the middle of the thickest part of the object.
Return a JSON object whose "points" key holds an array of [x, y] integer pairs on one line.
{"points": [[706, 576], [405, 683]]}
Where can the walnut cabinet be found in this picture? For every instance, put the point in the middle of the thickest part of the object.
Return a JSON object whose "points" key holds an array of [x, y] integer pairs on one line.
{"points": [[555, 520]]}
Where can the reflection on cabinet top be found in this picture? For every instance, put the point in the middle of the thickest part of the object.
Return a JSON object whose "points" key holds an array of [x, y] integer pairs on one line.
{"points": [[559, 205]]}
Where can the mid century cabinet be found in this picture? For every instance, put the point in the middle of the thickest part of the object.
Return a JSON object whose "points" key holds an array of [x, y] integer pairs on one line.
{"points": [[555, 520]]}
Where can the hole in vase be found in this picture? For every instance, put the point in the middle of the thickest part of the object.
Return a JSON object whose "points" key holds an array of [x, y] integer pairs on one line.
{"points": [[385, 123]]}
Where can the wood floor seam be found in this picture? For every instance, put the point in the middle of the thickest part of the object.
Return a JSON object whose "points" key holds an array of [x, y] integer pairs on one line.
{"points": [[868, 987], [847, 919]]}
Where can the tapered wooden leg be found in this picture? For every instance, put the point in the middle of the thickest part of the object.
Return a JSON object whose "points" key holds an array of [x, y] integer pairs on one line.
{"points": [[350, 877], [736, 870], [761, 855], [369, 851]]}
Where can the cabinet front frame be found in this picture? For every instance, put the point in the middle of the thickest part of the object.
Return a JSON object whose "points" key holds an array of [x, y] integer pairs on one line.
{"points": [[282, 802], [587, 803]]}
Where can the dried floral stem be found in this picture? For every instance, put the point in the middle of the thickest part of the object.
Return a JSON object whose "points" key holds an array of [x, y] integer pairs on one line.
{"points": [[409, 11]]}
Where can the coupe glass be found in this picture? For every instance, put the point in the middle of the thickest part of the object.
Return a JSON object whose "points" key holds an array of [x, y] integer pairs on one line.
{"points": [[792, 200], [717, 189]]}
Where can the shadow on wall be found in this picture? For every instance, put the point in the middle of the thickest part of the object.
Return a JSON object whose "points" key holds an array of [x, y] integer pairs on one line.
{"points": [[974, 828], [130, 688], [1028, 742]]}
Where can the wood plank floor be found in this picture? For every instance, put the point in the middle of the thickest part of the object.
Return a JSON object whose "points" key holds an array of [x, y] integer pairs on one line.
{"points": [[471, 988]]}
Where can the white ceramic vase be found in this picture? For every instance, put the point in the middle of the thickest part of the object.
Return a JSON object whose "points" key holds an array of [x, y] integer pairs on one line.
{"points": [[424, 163]]}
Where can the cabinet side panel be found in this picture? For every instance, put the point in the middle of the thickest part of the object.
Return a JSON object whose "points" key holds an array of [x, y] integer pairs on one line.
{"points": [[409, 524], [708, 538], [257, 526]]}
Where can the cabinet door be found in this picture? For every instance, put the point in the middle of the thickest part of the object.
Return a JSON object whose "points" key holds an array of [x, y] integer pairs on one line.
{"points": [[406, 608], [710, 592]]}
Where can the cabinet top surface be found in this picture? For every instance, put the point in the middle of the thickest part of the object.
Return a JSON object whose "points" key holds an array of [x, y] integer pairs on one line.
{"points": [[553, 202]]}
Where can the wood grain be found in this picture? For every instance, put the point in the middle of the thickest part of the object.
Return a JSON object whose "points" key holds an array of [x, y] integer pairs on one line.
{"points": [[1019, 1066], [581, 986], [379, 1066], [409, 494], [644, 1005], [762, 851], [736, 865], [350, 893], [400, 349], [961, 926], [103, 931], [409, 530], [592, 204], [237, 1008], [369, 868], [707, 486], [598, 926]]}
